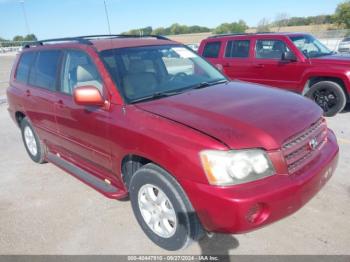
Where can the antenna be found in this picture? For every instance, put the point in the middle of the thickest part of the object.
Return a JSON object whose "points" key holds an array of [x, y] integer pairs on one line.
{"points": [[25, 16], [107, 17]]}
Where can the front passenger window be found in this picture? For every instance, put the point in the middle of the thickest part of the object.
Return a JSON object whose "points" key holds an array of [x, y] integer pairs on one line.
{"points": [[270, 49], [79, 70]]}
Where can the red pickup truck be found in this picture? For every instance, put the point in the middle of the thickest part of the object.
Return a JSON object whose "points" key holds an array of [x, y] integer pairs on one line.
{"points": [[292, 61]]}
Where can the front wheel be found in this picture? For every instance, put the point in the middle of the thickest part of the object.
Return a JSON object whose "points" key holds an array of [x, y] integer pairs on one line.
{"points": [[162, 208], [329, 95]]}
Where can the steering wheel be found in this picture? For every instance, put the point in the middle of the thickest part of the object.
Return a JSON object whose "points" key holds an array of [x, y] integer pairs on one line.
{"points": [[178, 75]]}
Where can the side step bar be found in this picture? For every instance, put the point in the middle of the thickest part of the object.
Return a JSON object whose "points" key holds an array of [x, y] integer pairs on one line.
{"points": [[82, 174]]}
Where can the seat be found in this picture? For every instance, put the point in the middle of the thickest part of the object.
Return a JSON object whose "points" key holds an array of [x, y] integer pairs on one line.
{"points": [[278, 49], [138, 81], [87, 75]]}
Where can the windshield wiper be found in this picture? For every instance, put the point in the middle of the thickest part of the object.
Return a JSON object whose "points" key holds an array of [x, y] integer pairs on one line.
{"points": [[206, 84], [156, 96], [176, 92]]}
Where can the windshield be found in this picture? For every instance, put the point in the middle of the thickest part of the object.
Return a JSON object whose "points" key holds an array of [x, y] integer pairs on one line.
{"points": [[310, 46], [152, 72]]}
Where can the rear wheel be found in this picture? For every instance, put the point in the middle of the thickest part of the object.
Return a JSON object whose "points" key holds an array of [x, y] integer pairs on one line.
{"points": [[162, 208], [32, 143], [329, 95]]}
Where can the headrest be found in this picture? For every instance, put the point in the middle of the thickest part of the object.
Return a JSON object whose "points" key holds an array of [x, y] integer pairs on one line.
{"points": [[137, 66], [85, 73]]}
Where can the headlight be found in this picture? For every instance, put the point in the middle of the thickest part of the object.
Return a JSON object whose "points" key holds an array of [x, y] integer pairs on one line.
{"points": [[236, 167]]}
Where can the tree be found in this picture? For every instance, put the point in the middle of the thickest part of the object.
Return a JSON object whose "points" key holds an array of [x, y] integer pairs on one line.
{"points": [[18, 38], [235, 27], [263, 26], [281, 20], [342, 14], [30, 37]]}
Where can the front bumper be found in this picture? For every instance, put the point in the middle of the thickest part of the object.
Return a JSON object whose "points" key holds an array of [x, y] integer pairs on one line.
{"points": [[230, 209]]}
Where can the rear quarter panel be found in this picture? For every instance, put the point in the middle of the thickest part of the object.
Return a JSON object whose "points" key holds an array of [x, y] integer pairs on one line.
{"points": [[15, 93]]}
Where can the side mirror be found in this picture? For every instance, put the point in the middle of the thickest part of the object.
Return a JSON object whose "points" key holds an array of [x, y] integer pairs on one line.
{"points": [[289, 56], [88, 96]]}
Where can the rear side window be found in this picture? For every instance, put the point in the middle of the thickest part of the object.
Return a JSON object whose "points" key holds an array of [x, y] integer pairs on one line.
{"points": [[212, 49], [237, 49], [25, 62], [43, 74]]}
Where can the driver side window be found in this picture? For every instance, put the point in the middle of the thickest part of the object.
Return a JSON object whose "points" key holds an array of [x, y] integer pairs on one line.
{"points": [[79, 70], [270, 49]]}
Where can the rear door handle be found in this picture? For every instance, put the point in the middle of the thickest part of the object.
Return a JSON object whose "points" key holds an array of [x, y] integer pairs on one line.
{"points": [[28, 92]]}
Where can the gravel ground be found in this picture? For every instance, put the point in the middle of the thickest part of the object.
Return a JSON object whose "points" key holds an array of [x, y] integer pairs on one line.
{"points": [[43, 210]]}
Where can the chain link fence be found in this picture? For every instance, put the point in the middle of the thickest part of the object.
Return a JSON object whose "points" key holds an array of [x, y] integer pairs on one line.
{"points": [[331, 38], [11, 46]]}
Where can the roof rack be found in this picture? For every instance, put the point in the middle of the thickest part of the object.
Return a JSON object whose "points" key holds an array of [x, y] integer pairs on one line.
{"points": [[234, 34], [124, 36], [223, 35], [86, 39], [66, 39]]}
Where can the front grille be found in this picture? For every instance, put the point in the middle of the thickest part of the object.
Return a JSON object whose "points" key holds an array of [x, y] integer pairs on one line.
{"points": [[303, 148]]}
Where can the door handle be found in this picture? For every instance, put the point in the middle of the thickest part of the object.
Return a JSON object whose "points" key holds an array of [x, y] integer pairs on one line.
{"points": [[28, 92], [60, 103], [227, 65], [260, 66]]}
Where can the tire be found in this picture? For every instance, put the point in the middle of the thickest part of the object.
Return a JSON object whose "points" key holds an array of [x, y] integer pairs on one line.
{"points": [[183, 225], [329, 95], [34, 147]]}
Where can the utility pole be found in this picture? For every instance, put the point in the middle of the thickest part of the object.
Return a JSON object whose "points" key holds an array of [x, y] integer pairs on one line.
{"points": [[25, 16]]}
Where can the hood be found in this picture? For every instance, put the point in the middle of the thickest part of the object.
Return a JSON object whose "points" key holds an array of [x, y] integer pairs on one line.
{"points": [[335, 59], [239, 114]]}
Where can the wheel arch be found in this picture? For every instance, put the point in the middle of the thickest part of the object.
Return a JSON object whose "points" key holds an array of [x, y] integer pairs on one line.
{"points": [[130, 164], [19, 116], [312, 80]]}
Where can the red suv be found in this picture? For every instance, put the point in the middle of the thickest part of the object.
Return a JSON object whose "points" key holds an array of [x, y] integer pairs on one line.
{"points": [[291, 61], [150, 119]]}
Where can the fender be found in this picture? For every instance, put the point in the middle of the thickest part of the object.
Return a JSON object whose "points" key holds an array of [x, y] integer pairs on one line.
{"points": [[331, 72]]}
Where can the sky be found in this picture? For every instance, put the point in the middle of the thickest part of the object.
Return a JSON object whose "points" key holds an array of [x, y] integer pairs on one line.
{"points": [[63, 18]]}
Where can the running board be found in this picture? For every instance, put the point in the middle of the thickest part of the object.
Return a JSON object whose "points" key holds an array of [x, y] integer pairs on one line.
{"points": [[83, 175]]}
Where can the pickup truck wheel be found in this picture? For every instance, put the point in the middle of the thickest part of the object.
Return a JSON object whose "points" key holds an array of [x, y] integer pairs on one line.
{"points": [[329, 96], [32, 143], [162, 208]]}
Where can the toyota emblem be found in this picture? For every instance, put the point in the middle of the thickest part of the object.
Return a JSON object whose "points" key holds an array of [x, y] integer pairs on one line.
{"points": [[313, 144]]}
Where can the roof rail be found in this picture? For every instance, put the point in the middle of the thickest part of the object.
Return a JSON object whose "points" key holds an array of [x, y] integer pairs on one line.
{"points": [[86, 39], [223, 35], [124, 36], [234, 34], [66, 39]]}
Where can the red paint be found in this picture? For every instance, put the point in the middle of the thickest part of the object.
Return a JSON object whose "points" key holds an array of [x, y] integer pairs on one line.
{"points": [[172, 131]]}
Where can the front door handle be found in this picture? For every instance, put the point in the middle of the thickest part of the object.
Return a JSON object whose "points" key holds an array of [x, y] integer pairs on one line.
{"points": [[60, 103], [260, 66], [28, 92]]}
